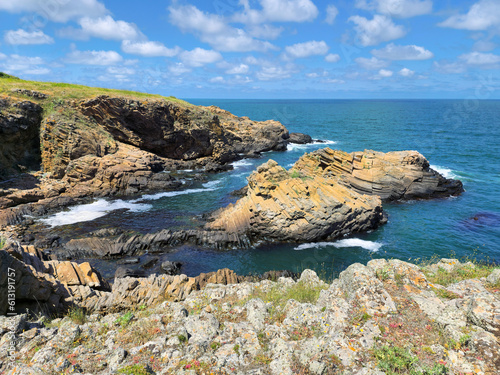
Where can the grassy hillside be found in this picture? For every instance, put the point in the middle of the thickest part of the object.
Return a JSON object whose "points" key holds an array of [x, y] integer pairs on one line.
{"points": [[69, 91]]}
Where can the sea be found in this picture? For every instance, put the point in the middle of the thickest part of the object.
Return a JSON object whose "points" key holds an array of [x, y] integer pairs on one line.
{"points": [[459, 138]]}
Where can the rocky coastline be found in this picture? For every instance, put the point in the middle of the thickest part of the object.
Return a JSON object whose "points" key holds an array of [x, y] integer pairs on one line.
{"points": [[56, 152]]}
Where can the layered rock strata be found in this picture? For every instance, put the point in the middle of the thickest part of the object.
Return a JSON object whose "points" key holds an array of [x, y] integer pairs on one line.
{"points": [[391, 176], [280, 206]]}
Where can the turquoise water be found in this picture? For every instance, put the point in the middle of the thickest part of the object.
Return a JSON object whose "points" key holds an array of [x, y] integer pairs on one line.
{"points": [[460, 138]]}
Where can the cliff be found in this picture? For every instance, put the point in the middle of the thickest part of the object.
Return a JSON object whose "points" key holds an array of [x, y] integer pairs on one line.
{"points": [[381, 318], [80, 142]]}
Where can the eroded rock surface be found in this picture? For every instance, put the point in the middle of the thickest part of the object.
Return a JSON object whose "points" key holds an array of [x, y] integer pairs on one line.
{"points": [[283, 207], [391, 176], [179, 325]]}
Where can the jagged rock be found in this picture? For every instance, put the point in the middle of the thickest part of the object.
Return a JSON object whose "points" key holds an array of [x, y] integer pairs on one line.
{"points": [[494, 277], [19, 132], [171, 268], [300, 138], [128, 272], [391, 176], [280, 206]]}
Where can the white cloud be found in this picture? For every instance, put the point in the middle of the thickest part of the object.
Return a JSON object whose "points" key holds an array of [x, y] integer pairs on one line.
{"points": [[16, 64], [265, 31], [212, 29], [481, 16], [218, 79], [372, 63], [332, 58], [275, 72], [199, 57], [331, 14], [149, 49], [395, 52], [107, 28], [446, 67], [397, 8], [379, 29], [238, 69], [278, 11], [405, 72], [178, 69], [117, 74], [24, 37], [93, 57], [385, 73], [478, 58], [306, 49], [334, 81], [58, 10]]}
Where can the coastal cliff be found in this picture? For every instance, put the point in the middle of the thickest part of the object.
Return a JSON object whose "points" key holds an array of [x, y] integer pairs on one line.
{"points": [[383, 317]]}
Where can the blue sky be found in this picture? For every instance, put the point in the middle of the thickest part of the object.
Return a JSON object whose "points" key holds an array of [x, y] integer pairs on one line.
{"points": [[259, 48]]}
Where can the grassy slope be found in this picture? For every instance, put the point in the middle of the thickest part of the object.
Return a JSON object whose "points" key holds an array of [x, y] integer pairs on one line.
{"points": [[67, 91]]}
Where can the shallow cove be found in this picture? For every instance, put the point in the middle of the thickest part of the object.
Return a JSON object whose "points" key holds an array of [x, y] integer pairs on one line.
{"points": [[458, 139]]}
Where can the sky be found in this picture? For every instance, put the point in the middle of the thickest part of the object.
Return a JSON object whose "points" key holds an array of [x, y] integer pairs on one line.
{"points": [[259, 49]]}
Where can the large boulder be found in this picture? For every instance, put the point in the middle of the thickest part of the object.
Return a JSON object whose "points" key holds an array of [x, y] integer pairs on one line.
{"points": [[391, 176], [285, 206]]}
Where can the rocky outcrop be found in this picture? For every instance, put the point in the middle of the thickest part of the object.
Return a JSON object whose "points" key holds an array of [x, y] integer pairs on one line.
{"points": [[391, 176], [385, 315], [43, 285], [19, 136], [282, 206], [300, 138]]}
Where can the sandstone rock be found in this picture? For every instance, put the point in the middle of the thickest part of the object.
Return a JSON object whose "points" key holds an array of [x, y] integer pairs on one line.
{"points": [[391, 176], [494, 277], [279, 206]]}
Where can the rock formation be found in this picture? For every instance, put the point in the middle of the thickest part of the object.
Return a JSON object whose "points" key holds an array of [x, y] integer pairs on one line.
{"points": [[280, 206], [374, 317], [391, 176]]}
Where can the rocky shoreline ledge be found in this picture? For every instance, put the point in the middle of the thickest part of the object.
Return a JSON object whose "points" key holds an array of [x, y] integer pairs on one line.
{"points": [[385, 317]]}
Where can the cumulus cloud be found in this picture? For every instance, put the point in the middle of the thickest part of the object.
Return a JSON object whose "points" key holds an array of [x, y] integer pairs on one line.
{"points": [[149, 49], [17, 64], [24, 37], [306, 49], [331, 14], [395, 52], [275, 72], [93, 57], [446, 67], [372, 63], [397, 8], [199, 57], [385, 73], [332, 58], [481, 16], [278, 11], [379, 29], [479, 58], [238, 69], [107, 28], [57, 11], [214, 30], [178, 69], [405, 72]]}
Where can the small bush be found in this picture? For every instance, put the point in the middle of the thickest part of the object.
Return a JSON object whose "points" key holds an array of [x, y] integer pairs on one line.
{"points": [[2, 242], [125, 319], [77, 315], [183, 339]]}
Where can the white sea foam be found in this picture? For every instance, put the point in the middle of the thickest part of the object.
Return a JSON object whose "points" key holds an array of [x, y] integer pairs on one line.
{"points": [[446, 172], [296, 146], [348, 242], [152, 197], [241, 163], [92, 211], [212, 184]]}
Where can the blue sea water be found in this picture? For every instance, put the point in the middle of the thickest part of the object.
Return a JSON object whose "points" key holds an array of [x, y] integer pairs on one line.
{"points": [[460, 138]]}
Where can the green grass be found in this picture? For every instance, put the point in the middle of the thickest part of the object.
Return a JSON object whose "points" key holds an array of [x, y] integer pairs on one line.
{"points": [[125, 319], [464, 272], [68, 91], [394, 360], [2, 242], [134, 370]]}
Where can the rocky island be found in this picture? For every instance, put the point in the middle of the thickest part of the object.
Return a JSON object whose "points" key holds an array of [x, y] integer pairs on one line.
{"points": [[63, 145]]}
